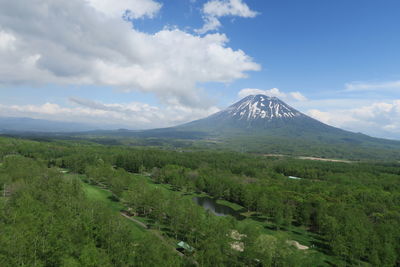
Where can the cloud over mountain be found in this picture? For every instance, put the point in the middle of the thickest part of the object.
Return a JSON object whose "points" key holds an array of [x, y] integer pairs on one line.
{"points": [[291, 96], [79, 42]]}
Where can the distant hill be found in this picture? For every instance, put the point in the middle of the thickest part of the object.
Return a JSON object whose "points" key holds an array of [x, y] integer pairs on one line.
{"points": [[16, 124]]}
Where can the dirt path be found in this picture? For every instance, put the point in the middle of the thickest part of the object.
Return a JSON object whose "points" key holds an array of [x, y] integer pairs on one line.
{"points": [[154, 232], [166, 243], [297, 245], [157, 234], [134, 220]]}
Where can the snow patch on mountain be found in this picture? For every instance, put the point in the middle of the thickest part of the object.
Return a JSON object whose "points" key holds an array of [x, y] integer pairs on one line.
{"points": [[255, 107]]}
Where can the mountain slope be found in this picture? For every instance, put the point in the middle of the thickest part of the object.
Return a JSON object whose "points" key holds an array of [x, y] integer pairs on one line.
{"points": [[260, 114], [263, 124]]}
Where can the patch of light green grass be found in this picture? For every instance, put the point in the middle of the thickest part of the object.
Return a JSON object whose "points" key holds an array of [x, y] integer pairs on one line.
{"points": [[97, 194]]}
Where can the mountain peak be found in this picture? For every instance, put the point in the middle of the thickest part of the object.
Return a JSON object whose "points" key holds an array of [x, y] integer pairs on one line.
{"points": [[254, 112], [261, 107]]}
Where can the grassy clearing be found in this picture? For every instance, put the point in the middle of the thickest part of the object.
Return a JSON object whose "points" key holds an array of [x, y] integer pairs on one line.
{"points": [[299, 234], [101, 195], [97, 194], [169, 189]]}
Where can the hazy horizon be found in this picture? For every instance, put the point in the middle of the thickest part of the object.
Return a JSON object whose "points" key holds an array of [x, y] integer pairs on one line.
{"points": [[144, 64]]}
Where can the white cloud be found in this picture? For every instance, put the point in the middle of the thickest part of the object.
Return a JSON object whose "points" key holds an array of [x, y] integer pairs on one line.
{"points": [[291, 96], [334, 118], [210, 24], [176, 61], [364, 86], [215, 9], [70, 42], [298, 96], [220, 8], [378, 119], [6, 41], [254, 91], [132, 9], [132, 115]]}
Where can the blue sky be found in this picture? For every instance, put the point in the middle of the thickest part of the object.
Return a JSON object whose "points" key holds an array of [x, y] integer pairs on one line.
{"points": [[168, 62]]}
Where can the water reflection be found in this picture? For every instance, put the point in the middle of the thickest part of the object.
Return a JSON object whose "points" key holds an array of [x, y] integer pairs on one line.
{"points": [[215, 208]]}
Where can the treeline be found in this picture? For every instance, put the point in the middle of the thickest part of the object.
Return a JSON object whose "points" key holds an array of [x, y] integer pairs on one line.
{"points": [[354, 208], [347, 204], [182, 219], [46, 220], [347, 214], [364, 148]]}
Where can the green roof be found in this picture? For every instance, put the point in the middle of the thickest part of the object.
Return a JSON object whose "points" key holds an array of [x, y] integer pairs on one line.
{"points": [[185, 246]]}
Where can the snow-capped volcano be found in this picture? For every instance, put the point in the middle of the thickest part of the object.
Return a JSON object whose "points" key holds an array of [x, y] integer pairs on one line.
{"points": [[264, 107], [259, 114], [253, 112], [263, 115], [261, 123]]}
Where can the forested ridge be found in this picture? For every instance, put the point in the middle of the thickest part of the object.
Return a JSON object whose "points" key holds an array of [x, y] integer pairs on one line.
{"points": [[47, 219]]}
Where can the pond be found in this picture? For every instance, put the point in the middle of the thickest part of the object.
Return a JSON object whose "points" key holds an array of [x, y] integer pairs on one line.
{"points": [[217, 209]]}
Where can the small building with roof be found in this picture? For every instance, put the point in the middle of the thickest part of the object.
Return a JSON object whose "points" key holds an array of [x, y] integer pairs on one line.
{"points": [[185, 247]]}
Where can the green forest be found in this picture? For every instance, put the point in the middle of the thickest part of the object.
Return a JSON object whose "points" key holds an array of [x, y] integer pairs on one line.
{"points": [[80, 203]]}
